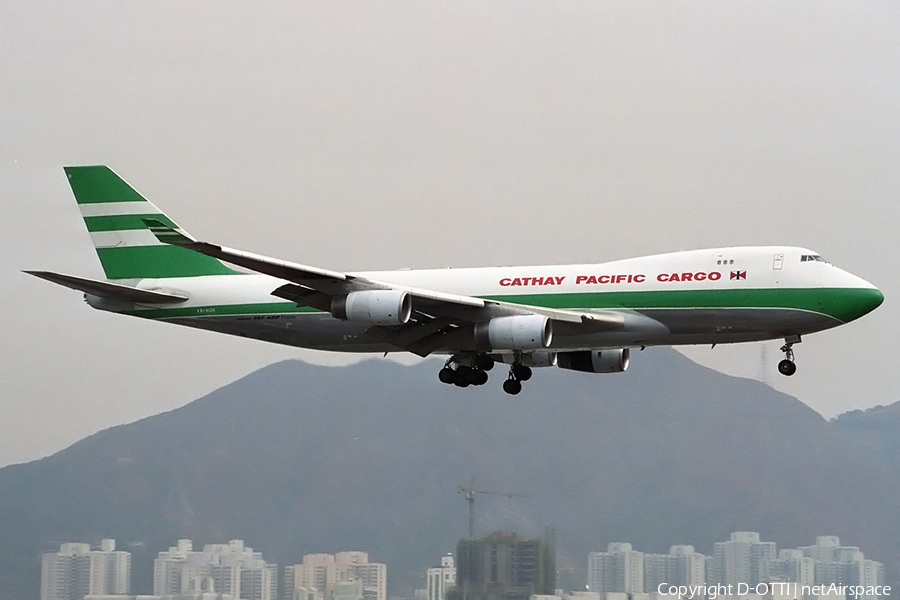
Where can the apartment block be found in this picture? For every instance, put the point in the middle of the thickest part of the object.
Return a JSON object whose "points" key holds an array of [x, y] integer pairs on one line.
{"points": [[619, 569], [441, 578], [232, 569], [76, 571], [319, 575]]}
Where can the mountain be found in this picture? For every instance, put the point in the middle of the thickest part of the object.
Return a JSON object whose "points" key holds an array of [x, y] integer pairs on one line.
{"points": [[297, 459], [877, 428]]}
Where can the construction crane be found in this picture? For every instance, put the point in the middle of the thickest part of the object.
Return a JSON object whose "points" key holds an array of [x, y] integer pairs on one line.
{"points": [[470, 491]]}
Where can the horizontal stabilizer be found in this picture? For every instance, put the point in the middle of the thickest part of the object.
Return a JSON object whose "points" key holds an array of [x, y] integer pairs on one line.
{"points": [[105, 289]]}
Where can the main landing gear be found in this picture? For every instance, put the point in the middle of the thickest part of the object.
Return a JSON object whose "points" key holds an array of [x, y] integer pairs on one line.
{"points": [[517, 374], [465, 370], [787, 366]]}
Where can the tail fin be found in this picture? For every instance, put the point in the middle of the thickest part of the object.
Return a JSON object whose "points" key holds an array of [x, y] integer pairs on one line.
{"points": [[113, 213]]}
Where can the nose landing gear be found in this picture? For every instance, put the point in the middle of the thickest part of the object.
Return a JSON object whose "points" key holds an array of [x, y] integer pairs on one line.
{"points": [[787, 367]]}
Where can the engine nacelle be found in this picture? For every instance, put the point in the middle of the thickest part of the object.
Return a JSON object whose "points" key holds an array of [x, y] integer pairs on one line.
{"points": [[541, 358], [595, 361], [373, 307], [521, 332]]}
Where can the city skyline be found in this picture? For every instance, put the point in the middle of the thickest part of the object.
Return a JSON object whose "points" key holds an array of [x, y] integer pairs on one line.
{"points": [[234, 570]]}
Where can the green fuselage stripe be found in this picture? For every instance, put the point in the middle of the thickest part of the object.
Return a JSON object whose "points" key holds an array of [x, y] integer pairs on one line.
{"points": [[151, 262], [843, 304], [123, 222], [223, 310]]}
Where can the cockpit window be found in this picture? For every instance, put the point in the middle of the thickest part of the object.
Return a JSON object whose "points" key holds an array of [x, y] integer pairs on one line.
{"points": [[811, 258]]}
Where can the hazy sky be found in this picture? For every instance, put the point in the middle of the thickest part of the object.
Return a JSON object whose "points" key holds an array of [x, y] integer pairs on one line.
{"points": [[415, 134]]}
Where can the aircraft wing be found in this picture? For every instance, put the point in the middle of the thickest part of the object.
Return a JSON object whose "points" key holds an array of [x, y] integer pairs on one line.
{"points": [[436, 315]]}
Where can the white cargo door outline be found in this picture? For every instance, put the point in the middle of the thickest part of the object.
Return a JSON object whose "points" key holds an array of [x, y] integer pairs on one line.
{"points": [[778, 262]]}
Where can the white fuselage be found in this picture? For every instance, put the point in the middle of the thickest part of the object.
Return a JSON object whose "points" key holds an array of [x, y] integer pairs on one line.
{"points": [[696, 297]]}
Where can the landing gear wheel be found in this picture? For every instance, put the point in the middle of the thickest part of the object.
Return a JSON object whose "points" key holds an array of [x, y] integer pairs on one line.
{"points": [[521, 372], [512, 387], [472, 374], [787, 367], [464, 375], [461, 377], [484, 362], [447, 375]]}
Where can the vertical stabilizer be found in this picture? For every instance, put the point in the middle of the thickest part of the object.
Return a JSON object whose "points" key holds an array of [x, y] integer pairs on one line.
{"points": [[113, 212]]}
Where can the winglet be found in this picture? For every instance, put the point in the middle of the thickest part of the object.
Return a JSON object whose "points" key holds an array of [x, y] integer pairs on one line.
{"points": [[167, 234]]}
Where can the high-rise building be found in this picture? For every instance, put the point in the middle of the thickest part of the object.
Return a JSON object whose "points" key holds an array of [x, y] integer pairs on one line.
{"points": [[872, 574], [356, 565], [842, 565], [169, 567], [314, 574], [440, 579], [656, 570], [77, 571], [318, 573], [681, 566], [233, 569], [792, 565], [503, 566], [619, 569], [742, 559], [689, 568]]}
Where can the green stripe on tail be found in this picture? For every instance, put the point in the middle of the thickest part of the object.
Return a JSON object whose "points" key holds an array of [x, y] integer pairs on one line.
{"points": [[116, 214], [151, 262], [95, 184]]}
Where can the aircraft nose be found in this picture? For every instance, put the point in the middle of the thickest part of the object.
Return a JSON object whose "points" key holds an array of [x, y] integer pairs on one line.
{"points": [[874, 298], [859, 301]]}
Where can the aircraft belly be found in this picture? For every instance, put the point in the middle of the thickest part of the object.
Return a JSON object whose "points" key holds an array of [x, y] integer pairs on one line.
{"points": [[656, 327], [317, 331], [774, 322], [650, 327]]}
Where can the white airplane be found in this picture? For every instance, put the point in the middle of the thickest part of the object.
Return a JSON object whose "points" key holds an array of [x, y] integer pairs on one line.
{"points": [[583, 317]]}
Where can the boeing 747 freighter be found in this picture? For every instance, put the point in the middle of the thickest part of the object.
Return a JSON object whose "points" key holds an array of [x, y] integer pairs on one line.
{"points": [[583, 317]]}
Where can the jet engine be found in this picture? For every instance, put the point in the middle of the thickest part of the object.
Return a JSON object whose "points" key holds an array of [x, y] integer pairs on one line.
{"points": [[594, 361], [541, 358], [373, 307], [520, 332]]}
